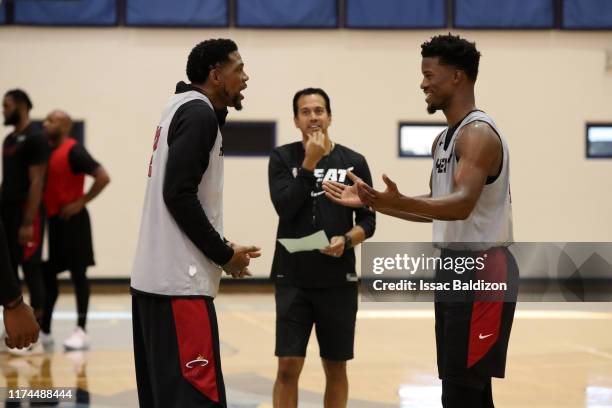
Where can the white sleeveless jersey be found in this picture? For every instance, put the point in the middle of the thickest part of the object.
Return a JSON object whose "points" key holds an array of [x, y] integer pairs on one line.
{"points": [[490, 222], [166, 261]]}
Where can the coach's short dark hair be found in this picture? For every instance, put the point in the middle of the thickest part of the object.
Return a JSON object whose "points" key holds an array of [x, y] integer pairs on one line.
{"points": [[310, 91], [206, 55], [19, 96], [453, 50]]}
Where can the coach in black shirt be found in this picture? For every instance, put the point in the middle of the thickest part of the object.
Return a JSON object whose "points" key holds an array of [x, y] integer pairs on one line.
{"points": [[315, 287]]}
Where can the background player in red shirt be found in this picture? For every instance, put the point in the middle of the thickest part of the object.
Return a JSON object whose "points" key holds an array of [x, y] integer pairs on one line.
{"points": [[70, 243]]}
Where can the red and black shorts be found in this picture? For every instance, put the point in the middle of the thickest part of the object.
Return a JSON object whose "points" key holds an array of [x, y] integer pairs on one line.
{"points": [[12, 217], [176, 352], [473, 326]]}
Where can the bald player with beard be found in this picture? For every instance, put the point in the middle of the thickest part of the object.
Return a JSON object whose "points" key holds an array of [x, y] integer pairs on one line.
{"points": [[70, 242]]}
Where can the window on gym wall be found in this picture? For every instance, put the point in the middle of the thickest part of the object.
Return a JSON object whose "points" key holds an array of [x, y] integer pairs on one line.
{"points": [[249, 138], [599, 140], [415, 138], [77, 132]]}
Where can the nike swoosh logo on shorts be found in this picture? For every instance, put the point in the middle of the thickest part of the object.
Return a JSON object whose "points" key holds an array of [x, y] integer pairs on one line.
{"points": [[481, 337]]}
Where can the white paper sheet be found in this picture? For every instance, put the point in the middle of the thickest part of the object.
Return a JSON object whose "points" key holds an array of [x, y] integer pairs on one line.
{"points": [[318, 240]]}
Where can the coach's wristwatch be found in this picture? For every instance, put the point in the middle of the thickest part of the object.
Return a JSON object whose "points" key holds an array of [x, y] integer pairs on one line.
{"points": [[348, 242]]}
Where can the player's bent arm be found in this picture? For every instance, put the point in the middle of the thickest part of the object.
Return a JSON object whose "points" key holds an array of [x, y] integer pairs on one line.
{"points": [[101, 180], [288, 193], [36, 174], [478, 148], [404, 215], [189, 145]]}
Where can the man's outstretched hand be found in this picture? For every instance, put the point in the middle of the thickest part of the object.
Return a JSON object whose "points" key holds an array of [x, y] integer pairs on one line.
{"points": [[380, 199], [342, 194], [361, 194]]}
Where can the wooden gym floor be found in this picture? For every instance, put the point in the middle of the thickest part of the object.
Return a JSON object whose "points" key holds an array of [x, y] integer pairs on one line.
{"points": [[560, 356]]}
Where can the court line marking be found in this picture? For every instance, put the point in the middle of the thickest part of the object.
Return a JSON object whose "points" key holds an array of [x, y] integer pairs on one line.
{"points": [[254, 321], [593, 351]]}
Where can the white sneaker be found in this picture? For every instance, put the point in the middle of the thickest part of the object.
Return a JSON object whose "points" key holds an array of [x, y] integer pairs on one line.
{"points": [[33, 349], [78, 340], [46, 339]]}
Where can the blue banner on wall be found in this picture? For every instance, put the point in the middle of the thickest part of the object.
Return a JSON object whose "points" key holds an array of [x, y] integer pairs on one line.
{"points": [[396, 14], [190, 13], [3, 12], [587, 14], [504, 14], [287, 13], [78, 13]]}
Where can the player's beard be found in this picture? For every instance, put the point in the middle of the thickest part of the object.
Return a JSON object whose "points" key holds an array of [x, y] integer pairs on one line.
{"points": [[235, 101], [12, 119], [433, 108]]}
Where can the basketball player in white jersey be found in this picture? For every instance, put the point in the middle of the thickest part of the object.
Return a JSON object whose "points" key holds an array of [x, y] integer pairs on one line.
{"points": [[470, 207], [181, 251]]}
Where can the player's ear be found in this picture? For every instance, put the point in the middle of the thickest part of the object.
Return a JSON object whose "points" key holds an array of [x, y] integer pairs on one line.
{"points": [[215, 76], [458, 76]]}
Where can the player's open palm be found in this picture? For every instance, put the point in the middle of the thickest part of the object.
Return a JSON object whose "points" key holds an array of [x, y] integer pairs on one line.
{"points": [[342, 194]]}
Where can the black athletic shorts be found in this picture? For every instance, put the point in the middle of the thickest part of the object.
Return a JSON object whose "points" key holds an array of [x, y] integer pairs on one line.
{"points": [[70, 243], [333, 312], [472, 334], [176, 352]]}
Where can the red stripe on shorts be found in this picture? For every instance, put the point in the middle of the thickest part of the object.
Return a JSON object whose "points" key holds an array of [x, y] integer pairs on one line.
{"points": [[31, 247], [488, 306], [195, 343]]}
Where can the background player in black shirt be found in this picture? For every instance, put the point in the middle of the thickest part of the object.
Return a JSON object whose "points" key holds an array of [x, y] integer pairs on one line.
{"points": [[70, 242], [316, 287], [24, 159], [19, 321]]}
